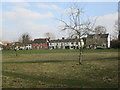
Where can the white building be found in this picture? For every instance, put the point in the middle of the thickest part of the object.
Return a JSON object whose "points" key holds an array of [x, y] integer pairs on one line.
{"points": [[1, 48], [28, 47], [65, 44]]}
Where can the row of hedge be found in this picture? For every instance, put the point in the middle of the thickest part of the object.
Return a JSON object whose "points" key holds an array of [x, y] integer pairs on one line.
{"points": [[115, 44]]}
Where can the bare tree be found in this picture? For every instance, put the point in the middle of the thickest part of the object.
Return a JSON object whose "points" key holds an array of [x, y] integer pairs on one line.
{"points": [[49, 35], [77, 26], [25, 38], [100, 29]]}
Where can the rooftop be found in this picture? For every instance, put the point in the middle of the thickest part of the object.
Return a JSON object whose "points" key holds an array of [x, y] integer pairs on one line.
{"points": [[40, 40], [101, 35], [64, 40]]}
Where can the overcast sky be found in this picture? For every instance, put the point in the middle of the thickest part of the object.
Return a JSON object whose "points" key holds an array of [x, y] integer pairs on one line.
{"points": [[37, 18]]}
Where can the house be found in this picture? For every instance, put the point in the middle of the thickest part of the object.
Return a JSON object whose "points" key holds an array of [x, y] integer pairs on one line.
{"points": [[65, 44], [11, 46], [29, 45], [94, 41], [17, 45], [1, 46], [41, 43], [5, 43]]}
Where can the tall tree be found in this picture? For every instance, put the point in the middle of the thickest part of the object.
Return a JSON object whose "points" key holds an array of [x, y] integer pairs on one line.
{"points": [[25, 38], [100, 29], [77, 26], [49, 35]]}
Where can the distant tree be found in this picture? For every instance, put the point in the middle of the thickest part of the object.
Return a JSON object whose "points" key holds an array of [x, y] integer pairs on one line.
{"points": [[49, 35], [100, 29], [96, 38], [25, 38]]}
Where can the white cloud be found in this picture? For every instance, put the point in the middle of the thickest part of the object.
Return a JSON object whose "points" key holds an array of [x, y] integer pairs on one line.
{"points": [[108, 21], [42, 5], [34, 29], [23, 4], [20, 20], [25, 14], [10, 35]]}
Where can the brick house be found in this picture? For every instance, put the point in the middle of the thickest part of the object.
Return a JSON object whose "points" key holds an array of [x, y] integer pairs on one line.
{"points": [[40, 43]]}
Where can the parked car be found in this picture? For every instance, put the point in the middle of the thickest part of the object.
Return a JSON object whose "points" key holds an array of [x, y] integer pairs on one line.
{"points": [[99, 47]]}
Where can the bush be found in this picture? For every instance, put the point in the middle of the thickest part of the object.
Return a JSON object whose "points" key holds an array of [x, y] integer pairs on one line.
{"points": [[115, 44]]}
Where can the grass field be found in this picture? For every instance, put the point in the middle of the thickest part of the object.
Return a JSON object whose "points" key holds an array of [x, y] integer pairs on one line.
{"points": [[60, 69]]}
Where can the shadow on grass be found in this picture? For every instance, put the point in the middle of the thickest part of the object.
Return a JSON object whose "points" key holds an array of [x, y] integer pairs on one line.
{"points": [[45, 61], [59, 61], [71, 83], [108, 58]]}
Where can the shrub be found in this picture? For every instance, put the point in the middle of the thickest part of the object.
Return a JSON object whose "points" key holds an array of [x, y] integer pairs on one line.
{"points": [[115, 44]]}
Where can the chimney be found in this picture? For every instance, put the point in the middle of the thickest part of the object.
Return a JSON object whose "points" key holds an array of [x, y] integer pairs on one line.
{"points": [[49, 38], [63, 38]]}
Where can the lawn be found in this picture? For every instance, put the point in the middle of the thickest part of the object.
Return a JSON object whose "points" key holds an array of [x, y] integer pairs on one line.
{"points": [[60, 69]]}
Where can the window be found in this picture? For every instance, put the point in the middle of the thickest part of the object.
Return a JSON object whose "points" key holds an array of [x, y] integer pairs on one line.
{"points": [[76, 43], [41, 46], [37, 47]]}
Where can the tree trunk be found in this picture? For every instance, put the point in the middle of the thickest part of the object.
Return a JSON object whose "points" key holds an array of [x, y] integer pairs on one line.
{"points": [[80, 57], [80, 51], [16, 52]]}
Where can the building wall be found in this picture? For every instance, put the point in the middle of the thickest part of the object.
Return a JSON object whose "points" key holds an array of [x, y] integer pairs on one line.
{"points": [[28, 47], [108, 39], [40, 46], [65, 45], [1, 48], [93, 43]]}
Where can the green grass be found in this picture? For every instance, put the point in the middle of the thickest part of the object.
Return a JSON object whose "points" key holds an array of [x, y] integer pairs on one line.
{"points": [[60, 69], [38, 51], [56, 51]]}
